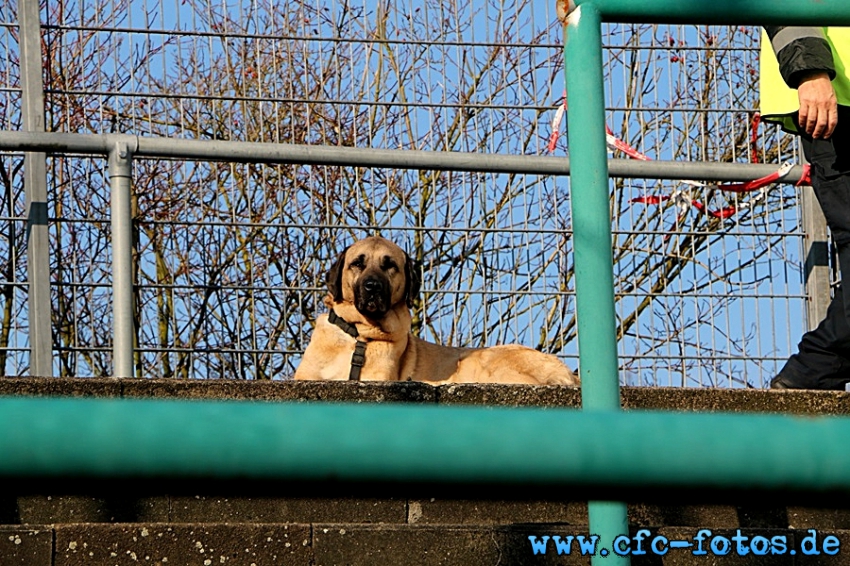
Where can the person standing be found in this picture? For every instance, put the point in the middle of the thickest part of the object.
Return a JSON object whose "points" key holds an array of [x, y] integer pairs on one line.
{"points": [[805, 88]]}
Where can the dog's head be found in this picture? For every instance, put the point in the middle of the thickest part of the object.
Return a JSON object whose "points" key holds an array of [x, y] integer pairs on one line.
{"points": [[374, 275]]}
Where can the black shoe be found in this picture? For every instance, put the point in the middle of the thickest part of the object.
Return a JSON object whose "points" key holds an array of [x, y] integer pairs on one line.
{"points": [[783, 382]]}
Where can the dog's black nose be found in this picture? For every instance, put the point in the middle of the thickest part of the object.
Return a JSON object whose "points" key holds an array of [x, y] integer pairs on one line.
{"points": [[372, 286]]}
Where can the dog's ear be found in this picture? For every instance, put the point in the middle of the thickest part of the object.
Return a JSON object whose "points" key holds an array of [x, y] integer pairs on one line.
{"points": [[413, 280], [333, 278]]}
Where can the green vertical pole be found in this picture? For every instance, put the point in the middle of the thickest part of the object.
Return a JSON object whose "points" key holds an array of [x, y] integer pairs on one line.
{"points": [[592, 243], [591, 216]]}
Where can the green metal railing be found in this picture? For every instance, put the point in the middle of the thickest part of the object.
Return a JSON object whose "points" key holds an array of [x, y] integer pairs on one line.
{"points": [[65, 437]]}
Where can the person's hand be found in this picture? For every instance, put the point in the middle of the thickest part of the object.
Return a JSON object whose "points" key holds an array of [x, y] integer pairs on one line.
{"points": [[818, 105]]}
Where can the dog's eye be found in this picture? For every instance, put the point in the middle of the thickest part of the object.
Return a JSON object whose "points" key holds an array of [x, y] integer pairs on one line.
{"points": [[358, 263], [388, 264]]}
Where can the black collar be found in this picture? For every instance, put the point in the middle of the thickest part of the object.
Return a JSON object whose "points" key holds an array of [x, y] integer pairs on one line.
{"points": [[358, 358]]}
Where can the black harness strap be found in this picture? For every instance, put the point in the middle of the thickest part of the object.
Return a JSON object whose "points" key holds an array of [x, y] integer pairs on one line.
{"points": [[358, 358]]}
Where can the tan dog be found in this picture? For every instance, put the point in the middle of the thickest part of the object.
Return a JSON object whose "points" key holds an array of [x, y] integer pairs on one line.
{"points": [[371, 289]]}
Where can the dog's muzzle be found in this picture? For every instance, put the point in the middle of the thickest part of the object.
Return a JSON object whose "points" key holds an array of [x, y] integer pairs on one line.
{"points": [[372, 296]]}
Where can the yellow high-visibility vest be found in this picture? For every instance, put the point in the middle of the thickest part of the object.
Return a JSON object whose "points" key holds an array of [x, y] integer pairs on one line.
{"points": [[779, 102]]}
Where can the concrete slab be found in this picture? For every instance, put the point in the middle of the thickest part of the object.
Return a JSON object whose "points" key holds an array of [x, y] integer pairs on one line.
{"points": [[509, 395], [819, 518], [287, 510], [343, 391], [47, 509], [391, 545], [432, 511], [22, 546], [178, 544], [710, 516], [60, 387], [736, 400]]}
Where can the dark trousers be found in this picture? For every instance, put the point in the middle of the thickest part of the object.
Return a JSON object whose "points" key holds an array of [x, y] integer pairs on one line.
{"points": [[823, 359]]}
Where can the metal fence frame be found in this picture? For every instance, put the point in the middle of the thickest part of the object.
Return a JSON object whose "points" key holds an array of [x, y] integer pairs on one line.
{"points": [[121, 149]]}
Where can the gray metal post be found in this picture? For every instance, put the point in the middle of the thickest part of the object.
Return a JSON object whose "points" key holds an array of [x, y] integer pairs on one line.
{"points": [[120, 181], [35, 187], [817, 258]]}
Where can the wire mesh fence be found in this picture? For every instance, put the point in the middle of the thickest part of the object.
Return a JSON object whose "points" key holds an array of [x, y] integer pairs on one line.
{"points": [[230, 257]]}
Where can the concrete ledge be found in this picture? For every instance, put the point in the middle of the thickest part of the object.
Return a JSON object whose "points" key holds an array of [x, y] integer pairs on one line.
{"points": [[509, 395], [43, 505], [206, 508], [737, 400], [651, 398], [78, 509], [60, 387], [328, 544], [402, 392]]}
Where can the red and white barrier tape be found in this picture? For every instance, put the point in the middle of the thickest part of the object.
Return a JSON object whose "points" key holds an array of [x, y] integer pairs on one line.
{"points": [[682, 200], [556, 125]]}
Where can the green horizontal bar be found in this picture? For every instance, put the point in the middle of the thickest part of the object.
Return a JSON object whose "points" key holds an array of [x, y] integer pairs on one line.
{"points": [[230, 439], [725, 12]]}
